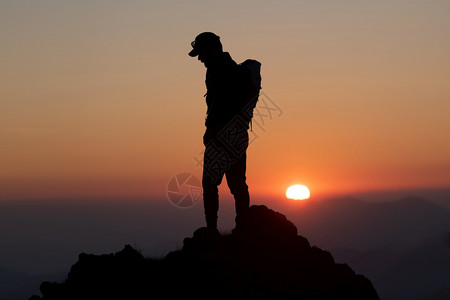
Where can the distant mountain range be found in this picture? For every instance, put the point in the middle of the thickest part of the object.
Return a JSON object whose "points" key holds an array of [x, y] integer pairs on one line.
{"points": [[402, 246], [19, 286]]}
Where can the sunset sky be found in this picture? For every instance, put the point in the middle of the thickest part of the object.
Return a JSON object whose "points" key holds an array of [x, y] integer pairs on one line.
{"points": [[100, 98]]}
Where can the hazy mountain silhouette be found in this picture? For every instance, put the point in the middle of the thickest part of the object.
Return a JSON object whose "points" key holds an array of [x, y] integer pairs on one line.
{"points": [[439, 295], [402, 246], [262, 259], [17, 285], [397, 224]]}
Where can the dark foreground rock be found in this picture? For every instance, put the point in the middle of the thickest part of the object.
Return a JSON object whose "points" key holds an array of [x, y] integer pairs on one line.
{"points": [[263, 258]]}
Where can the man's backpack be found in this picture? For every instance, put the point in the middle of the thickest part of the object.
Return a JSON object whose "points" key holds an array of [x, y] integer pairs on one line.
{"points": [[252, 78]]}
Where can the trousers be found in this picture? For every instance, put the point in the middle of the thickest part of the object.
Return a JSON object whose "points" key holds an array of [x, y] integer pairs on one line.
{"points": [[218, 162]]}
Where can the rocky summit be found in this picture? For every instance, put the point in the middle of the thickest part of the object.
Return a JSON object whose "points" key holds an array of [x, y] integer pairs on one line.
{"points": [[263, 258]]}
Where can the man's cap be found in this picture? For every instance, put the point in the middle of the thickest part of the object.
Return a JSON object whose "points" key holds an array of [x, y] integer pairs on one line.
{"points": [[204, 40]]}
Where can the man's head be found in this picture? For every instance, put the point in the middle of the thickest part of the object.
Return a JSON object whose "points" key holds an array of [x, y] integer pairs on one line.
{"points": [[206, 46]]}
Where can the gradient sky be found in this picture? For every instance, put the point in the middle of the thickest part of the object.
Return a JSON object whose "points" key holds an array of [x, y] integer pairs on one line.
{"points": [[100, 99]]}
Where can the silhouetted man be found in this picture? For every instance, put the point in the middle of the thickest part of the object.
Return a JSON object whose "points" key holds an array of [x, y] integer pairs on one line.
{"points": [[226, 136]]}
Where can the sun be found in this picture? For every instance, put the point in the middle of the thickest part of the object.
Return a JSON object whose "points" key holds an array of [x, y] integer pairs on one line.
{"points": [[297, 192]]}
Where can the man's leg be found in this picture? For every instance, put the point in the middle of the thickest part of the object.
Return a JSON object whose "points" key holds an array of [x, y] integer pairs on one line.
{"points": [[211, 179], [210, 202], [238, 187]]}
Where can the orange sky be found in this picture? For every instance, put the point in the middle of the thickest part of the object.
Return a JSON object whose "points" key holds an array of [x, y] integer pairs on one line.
{"points": [[99, 98]]}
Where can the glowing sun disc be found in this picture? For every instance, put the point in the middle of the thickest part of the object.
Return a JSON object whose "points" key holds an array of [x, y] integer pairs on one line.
{"points": [[297, 192]]}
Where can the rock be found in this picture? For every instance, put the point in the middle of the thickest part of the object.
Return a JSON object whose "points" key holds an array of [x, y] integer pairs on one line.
{"points": [[263, 258]]}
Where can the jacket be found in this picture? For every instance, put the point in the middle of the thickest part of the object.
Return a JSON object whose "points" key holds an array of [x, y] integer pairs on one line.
{"points": [[225, 92]]}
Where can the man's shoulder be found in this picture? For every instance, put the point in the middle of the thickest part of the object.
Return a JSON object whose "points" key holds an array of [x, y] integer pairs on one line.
{"points": [[228, 59]]}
